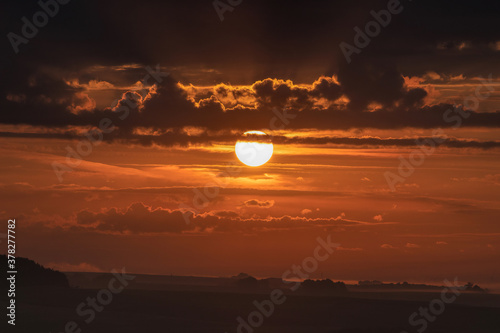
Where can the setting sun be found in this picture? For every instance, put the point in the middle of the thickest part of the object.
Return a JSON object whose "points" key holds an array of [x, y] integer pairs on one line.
{"points": [[254, 148]]}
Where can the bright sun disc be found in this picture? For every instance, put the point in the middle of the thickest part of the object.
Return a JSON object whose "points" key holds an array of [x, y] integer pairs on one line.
{"points": [[254, 148]]}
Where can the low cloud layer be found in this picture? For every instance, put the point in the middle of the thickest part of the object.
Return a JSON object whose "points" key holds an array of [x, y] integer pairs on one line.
{"points": [[142, 219]]}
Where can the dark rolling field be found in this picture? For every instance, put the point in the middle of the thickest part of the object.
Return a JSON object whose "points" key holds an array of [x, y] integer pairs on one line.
{"points": [[140, 310]]}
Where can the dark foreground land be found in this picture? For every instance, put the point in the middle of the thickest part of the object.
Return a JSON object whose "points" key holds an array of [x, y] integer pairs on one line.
{"points": [[185, 309]]}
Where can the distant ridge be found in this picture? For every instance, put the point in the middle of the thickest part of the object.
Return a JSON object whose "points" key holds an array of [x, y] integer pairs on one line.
{"points": [[30, 273], [367, 284]]}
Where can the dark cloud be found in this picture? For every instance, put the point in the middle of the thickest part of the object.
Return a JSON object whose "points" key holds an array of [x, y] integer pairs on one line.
{"points": [[140, 219], [277, 38], [182, 139], [296, 41], [259, 203], [361, 83], [169, 106]]}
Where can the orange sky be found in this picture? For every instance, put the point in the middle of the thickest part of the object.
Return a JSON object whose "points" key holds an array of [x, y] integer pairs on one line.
{"points": [[441, 221], [164, 91]]}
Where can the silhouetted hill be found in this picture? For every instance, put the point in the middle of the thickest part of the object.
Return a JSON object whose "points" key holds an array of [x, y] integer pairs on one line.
{"points": [[378, 285], [474, 287], [30, 273]]}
